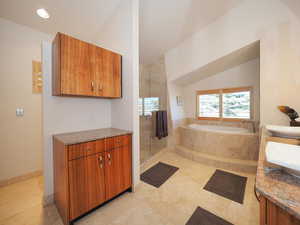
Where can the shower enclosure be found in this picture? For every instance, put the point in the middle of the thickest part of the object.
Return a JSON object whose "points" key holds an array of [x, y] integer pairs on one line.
{"points": [[153, 97]]}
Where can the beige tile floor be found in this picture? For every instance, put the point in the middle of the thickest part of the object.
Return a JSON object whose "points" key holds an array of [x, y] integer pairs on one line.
{"points": [[171, 204]]}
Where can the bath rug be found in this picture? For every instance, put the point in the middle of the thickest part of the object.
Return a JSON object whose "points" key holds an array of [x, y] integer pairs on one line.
{"points": [[203, 217], [227, 185], [158, 174]]}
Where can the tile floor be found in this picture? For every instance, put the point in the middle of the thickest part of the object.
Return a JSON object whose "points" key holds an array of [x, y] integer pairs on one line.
{"points": [[171, 204]]}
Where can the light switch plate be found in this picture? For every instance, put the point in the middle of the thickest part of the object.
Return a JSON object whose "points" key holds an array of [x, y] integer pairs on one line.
{"points": [[19, 112]]}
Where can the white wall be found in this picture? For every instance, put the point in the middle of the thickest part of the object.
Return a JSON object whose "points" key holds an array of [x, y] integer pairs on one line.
{"points": [[66, 114], [20, 137], [246, 74], [275, 26], [177, 111], [121, 34]]}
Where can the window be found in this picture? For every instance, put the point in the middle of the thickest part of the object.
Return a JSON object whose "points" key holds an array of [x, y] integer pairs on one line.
{"points": [[224, 104], [148, 105], [236, 105], [141, 106], [209, 105]]}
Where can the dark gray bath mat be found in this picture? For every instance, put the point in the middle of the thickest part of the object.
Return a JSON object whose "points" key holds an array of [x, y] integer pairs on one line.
{"points": [[203, 217], [228, 185], [158, 174]]}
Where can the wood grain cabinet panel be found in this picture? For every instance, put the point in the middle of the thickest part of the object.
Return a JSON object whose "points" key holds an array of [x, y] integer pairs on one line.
{"points": [[89, 174], [76, 75], [78, 187], [111, 83], [83, 69], [96, 181], [116, 142], [271, 214], [81, 150], [118, 171]]}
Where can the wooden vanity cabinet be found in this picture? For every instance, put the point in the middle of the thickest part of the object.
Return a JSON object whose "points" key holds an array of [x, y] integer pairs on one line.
{"points": [[89, 174], [271, 214], [83, 69]]}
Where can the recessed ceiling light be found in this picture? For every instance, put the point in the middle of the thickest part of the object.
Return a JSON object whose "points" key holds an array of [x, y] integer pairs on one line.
{"points": [[43, 13]]}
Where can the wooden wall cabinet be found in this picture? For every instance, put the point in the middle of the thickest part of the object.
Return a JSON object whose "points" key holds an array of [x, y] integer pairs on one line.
{"points": [[83, 69], [271, 214], [89, 174]]}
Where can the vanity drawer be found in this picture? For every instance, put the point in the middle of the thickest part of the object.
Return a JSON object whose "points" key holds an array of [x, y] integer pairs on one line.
{"points": [[100, 146], [81, 150], [119, 141]]}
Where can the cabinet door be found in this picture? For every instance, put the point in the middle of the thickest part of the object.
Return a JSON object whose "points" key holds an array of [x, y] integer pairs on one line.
{"points": [[97, 68], [86, 184], [96, 186], [112, 75], [117, 171], [106, 70], [76, 77], [78, 187]]}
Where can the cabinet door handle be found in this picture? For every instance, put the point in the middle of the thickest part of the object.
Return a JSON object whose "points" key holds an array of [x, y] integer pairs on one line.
{"points": [[92, 85], [109, 158], [100, 161]]}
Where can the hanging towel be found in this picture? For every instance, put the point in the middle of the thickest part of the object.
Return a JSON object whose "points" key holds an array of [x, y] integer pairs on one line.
{"points": [[161, 124]]}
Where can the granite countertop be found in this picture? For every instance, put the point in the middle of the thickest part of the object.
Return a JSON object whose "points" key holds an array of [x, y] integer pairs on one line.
{"points": [[89, 135], [276, 185]]}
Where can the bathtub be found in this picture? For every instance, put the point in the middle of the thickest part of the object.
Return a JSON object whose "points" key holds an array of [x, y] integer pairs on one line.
{"points": [[219, 128], [221, 141]]}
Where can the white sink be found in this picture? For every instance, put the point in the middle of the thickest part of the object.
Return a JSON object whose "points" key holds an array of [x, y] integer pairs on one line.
{"points": [[285, 155], [284, 131]]}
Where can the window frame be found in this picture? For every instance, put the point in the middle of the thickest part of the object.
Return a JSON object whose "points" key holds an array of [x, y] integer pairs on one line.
{"points": [[221, 92], [143, 106]]}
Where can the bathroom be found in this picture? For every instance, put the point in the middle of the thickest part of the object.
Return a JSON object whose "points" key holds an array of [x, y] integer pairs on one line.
{"points": [[151, 112]]}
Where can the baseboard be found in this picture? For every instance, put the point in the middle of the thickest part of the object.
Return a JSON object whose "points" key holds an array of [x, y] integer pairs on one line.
{"points": [[20, 178], [48, 200]]}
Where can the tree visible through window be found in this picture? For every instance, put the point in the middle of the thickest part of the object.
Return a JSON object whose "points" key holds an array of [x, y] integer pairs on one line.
{"points": [[209, 105], [236, 105], [233, 103]]}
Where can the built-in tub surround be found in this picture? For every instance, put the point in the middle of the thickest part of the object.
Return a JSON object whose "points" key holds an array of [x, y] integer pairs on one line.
{"points": [[251, 125], [219, 145], [219, 128]]}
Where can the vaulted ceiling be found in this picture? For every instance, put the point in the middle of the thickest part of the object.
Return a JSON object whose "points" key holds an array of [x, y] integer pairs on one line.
{"points": [[81, 18], [165, 23], [293, 5]]}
